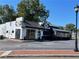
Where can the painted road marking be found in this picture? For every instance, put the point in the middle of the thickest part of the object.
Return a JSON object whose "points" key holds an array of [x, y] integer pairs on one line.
{"points": [[6, 53]]}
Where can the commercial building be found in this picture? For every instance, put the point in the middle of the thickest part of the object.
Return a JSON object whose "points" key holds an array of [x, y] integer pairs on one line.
{"points": [[20, 29]]}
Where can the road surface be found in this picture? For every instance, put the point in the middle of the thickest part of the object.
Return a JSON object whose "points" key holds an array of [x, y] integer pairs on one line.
{"points": [[32, 45]]}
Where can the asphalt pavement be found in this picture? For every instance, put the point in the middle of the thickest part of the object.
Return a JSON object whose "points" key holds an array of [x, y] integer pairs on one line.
{"points": [[36, 45], [26, 48]]}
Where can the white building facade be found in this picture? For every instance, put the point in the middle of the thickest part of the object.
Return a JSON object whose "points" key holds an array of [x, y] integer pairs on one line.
{"points": [[21, 30]]}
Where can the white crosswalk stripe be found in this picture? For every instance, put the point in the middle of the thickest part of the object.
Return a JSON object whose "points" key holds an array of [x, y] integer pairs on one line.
{"points": [[6, 53]]}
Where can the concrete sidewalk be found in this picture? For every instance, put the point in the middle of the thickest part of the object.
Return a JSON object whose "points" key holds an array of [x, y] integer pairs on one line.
{"points": [[40, 53]]}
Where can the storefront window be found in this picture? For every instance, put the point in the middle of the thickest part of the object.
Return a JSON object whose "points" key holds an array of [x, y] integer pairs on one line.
{"points": [[30, 34]]}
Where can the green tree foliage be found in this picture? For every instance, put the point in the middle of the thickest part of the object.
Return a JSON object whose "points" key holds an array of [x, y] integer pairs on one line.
{"points": [[8, 13], [61, 27], [1, 10], [70, 27], [32, 10], [1, 14]]}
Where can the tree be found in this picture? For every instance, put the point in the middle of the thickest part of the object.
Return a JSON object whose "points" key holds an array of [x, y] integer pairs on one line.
{"points": [[32, 10], [1, 13], [61, 27], [70, 27], [1, 10], [8, 13]]}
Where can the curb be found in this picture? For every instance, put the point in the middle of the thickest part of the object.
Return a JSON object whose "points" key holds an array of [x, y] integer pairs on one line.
{"points": [[45, 55], [16, 40]]}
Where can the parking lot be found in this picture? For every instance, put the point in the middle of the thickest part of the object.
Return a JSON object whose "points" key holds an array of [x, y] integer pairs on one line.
{"points": [[30, 45]]}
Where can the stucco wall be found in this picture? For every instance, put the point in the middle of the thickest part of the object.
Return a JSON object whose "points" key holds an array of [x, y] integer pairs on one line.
{"points": [[73, 35], [2, 29], [8, 29]]}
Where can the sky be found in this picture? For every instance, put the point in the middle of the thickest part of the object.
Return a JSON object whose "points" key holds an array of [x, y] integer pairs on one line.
{"points": [[61, 12]]}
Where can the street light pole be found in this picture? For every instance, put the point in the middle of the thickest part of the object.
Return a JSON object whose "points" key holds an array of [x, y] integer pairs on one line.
{"points": [[76, 40]]}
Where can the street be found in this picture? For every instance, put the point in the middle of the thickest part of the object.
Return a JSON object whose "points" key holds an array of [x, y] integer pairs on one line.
{"points": [[30, 45]]}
